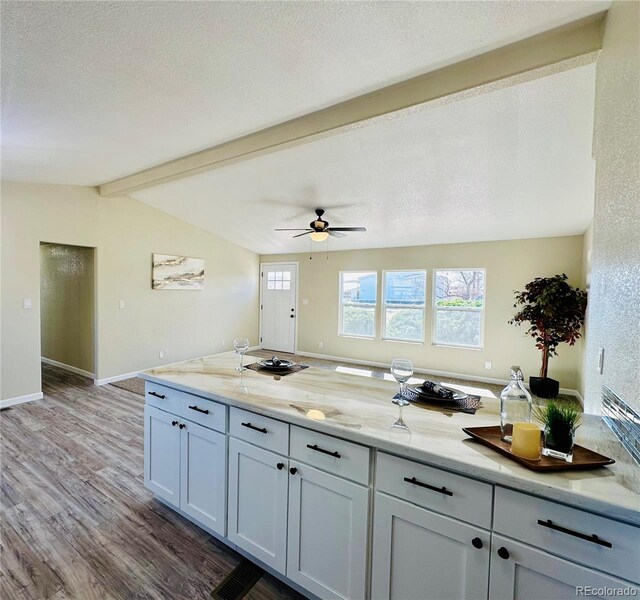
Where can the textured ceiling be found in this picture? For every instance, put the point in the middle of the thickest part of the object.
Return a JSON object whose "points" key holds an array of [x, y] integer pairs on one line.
{"points": [[512, 163], [92, 91]]}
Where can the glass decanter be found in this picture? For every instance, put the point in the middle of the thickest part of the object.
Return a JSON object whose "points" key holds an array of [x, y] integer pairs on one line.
{"points": [[515, 404]]}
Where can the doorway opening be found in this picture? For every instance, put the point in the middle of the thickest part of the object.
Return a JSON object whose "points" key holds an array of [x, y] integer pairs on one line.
{"points": [[67, 307], [278, 306]]}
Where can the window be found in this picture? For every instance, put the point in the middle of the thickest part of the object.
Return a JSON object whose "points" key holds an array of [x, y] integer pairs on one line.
{"points": [[459, 307], [279, 280], [358, 293], [404, 302]]}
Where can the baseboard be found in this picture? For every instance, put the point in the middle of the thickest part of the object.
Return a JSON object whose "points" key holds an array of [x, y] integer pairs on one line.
{"points": [[463, 376], [72, 369], [107, 380], [20, 400]]}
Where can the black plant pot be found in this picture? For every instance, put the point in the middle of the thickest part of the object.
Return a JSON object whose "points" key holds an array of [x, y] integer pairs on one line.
{"points": [[544, 387]]}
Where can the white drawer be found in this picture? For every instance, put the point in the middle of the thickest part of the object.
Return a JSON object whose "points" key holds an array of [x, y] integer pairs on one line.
{"points": [[204, 412], [560, 530], [163, 397], [331, 454], [452, 495], [261, 431]]}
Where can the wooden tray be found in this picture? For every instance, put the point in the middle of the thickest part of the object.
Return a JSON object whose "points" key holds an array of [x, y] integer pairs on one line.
{"points": [[583, 458]]}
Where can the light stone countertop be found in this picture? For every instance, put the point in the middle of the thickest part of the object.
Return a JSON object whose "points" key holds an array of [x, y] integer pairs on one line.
{"points": [[359, 409]]}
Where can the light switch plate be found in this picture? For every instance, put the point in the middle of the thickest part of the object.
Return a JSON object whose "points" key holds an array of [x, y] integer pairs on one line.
{"points": [[26, 303], [121, 304]]}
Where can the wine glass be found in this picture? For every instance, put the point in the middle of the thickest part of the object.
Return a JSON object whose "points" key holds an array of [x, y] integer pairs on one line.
{"points": [[402, 370], [241, 345]]}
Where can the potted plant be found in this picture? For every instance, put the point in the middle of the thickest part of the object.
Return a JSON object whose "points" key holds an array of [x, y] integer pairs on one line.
{"points": [[555, 312], [560, 424]]}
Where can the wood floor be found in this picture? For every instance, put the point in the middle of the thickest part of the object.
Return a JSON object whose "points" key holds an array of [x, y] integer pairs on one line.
{"points": [[75, 518]]}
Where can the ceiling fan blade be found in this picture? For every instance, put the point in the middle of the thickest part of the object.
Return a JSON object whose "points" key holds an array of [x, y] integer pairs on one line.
{"points": [[305, 233], [297, 229], [336, 233], [347, 229]]}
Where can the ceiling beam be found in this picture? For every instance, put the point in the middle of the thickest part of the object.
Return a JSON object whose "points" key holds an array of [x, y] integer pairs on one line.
{"points": [[548, 48]]}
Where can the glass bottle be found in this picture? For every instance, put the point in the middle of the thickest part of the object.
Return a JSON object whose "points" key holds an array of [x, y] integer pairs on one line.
{"points": [[515, 404]]}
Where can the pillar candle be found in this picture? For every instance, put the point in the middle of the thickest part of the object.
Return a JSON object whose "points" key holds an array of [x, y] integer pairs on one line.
{"points": [[525, 441]]}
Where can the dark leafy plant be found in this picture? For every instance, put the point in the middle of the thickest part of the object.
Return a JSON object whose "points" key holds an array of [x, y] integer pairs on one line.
{"points": [[555, 311]]}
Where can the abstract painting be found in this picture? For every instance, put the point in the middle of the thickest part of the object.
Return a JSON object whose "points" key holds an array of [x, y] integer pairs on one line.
{"points": [[177, 272]]}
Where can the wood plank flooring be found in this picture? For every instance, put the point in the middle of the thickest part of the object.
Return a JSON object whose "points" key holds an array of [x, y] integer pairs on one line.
{"points": [[75, 518]]}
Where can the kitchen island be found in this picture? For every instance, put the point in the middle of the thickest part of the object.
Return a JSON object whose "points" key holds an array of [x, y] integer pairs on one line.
{"points": [[301, 473]]}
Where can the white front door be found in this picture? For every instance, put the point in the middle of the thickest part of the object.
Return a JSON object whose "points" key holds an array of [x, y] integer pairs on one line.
{"points": [[278, 314]]}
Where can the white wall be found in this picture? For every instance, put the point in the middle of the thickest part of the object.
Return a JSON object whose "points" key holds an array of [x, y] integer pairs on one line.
{"points": [[509, 265], [614, 303], [125, 233]]}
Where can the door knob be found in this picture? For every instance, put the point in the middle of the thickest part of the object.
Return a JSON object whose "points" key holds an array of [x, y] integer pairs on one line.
{"points": [[503, 553]]}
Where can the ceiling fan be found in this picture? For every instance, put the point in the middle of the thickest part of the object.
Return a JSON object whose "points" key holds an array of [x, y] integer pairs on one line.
{"points": [[319, 229]]}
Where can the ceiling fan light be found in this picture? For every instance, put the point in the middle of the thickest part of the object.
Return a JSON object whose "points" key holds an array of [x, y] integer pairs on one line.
{"points": [[319, 236]]}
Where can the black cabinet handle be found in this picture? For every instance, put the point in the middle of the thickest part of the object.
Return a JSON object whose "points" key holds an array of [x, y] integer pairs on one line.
{"points": [[250, 426], [292, 316], [293, 470], [174, 423], [593, 538], [503, 553], [280, 466], [315, 447], [200, 410], [442, 490], [182, 425], [161, 396], [477, 543]]}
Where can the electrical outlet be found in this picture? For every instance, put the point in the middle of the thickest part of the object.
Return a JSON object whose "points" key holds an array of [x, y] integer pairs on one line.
{"points": [[321, 345], [305, 301], [487, 365], [161, 354], [26, 303], [121, 304]]}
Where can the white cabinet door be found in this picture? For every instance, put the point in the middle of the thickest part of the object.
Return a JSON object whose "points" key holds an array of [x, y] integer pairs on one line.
{"points": [[520, 572], [258, 484], [203, 475], [162, 454], [418, 554], [328, 518]]}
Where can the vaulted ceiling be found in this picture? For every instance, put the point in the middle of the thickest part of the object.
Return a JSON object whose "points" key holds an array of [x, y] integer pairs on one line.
{"points": [[92, 91]]}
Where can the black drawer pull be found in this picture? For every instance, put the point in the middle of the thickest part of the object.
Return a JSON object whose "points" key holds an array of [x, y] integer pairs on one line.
{"points": [[442, 490], [161, 396], [477, 543], [593, 538], [174, 423], [280, 466], [503, 553], [250, 426], [200, 410], [182, 426], [315, 447]]}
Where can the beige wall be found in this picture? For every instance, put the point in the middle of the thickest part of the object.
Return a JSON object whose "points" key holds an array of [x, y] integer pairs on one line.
{"points": [[614, 303], [67, 305], [510, 265], [125, 233]]}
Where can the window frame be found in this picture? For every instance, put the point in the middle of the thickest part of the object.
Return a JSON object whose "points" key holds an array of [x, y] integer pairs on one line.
{"points": [[436, 308], [384, 305], [342, 304]]}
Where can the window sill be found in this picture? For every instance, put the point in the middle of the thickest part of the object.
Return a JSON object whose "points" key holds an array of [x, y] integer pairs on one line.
{"points": [[356, 337], [414, 342], [476, 348]]}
